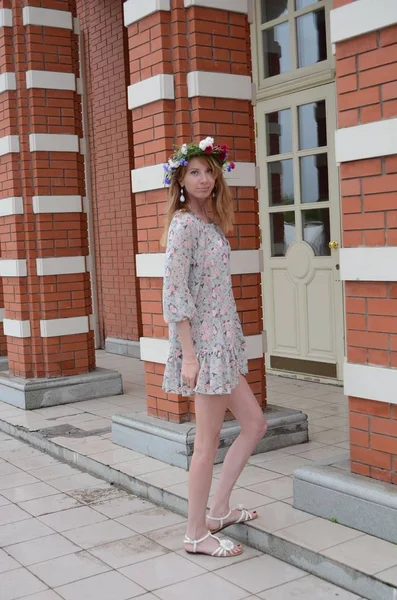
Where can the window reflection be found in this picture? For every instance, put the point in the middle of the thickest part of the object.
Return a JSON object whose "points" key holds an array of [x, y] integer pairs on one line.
{"points": [[272, 9], [282, 232], [281, 182], [279, 132], [312, 41], [312, 125], [314, 178], [316, 230], [303, 3], [276, 50]]}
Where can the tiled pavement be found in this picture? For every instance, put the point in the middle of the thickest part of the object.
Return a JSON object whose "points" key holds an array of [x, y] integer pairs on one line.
{"points": [[69, 535], [266, 484]]}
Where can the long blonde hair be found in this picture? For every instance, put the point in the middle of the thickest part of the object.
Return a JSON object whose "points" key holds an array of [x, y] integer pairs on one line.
{"points": [[221, 199]]}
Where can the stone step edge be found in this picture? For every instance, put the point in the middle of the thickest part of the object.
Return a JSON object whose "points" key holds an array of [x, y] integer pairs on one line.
{"points": [[314, 563]]}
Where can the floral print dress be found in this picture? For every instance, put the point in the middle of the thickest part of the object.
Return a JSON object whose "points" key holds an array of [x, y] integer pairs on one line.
{"points": [[198, 287]]}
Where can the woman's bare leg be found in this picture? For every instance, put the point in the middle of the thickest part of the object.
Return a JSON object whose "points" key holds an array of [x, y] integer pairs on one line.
{"points": [[210, 412], [249, 414]]}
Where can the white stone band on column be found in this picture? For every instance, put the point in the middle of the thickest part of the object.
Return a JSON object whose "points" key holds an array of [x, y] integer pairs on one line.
{"points": [[53, 142], [2, 314], [50, 80], [370, 382], [242, 262], [155, 350], [159, 87], [152, 178], [360, 17], [219, 85], [57, 204], [368, 264], [5, 17], [62, 265], [76, 26], [135, 11], [16, 328], [9, 144], [13, 267], [61, 327], [240, 6], [47, 17], [11, 206], [8, 82], [366, 141]]}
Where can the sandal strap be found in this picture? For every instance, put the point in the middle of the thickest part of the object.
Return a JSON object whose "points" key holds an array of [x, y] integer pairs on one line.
{"points": [[220, 519], [244, 516], [188, 540]]}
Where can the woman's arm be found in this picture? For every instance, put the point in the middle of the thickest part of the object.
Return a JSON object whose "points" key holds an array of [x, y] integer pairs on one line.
{"points": [[178, 303], [190, 363]]}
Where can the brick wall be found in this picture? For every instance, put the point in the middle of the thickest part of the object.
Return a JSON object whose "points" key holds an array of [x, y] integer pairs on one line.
{"points": [[110, 143], [176, 42], [367, 92]]}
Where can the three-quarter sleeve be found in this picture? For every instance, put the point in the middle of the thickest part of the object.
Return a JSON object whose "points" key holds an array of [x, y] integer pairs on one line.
{"points": [[178, 303]]}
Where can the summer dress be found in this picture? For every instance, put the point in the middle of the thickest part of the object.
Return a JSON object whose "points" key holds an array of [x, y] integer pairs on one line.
{"points": [[198, 287]]}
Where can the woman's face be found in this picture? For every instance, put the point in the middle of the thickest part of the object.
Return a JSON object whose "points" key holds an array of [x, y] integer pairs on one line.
{"points": [[199, 179]]}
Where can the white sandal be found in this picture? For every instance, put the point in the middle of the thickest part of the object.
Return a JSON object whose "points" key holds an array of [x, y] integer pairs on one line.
{"points": [[244, 517], [224, 549]]}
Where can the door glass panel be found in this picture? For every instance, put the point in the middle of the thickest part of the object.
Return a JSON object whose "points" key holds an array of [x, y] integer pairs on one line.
{"points": [[314, 178], [312, 41], [279, 132], [316, 230], [303, 3], [276, 50], [272, 9], [312, 125], [282, 231], [281, 182]]}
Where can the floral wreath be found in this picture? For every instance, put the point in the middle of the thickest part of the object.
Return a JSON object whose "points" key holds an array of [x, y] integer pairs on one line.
{"points": [[206, 147]]}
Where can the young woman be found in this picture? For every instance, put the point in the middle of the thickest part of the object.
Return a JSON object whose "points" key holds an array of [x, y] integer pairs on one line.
{"points": [[206, 356]]}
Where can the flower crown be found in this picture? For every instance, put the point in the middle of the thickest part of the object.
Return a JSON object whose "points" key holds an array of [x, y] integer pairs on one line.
{"points": [[206, 147]]}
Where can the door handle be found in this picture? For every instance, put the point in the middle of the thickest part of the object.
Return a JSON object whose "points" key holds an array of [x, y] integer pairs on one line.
{"points": [[333, 245]]}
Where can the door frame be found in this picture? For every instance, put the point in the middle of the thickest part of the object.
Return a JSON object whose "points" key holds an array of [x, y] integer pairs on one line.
{"points": [[327, 92]]}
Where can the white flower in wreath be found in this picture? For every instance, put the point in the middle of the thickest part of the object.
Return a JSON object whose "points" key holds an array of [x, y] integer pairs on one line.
{"points": [[174, 164], [203, 145], [184, 149]]}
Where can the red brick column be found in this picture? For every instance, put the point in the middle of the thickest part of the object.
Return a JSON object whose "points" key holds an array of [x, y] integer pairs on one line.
{"points": [[175, 43], [48, 297], [366, 68], [9, 188]]}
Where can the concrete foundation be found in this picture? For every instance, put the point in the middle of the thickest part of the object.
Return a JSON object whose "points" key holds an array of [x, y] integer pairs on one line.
{"points": [[123, 347], [39, 393], [358, 502], [173, 443]]}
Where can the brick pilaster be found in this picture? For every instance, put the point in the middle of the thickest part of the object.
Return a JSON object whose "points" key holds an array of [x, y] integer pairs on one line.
{"points": [[367, 92], [45, 300], [175, 43]]}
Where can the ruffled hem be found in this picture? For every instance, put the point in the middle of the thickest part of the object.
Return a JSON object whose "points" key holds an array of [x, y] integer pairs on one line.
{"points": [[219, 373]]}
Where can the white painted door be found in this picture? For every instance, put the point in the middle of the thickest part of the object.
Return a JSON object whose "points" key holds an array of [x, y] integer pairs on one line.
{"points": [[300, 221]]}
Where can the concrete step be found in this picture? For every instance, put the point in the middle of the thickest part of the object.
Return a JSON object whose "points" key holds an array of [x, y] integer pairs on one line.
{"points": [[263, 535]]}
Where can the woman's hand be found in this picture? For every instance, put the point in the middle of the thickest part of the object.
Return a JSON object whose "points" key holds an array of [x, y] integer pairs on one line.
{"points": [[190, 371]]}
